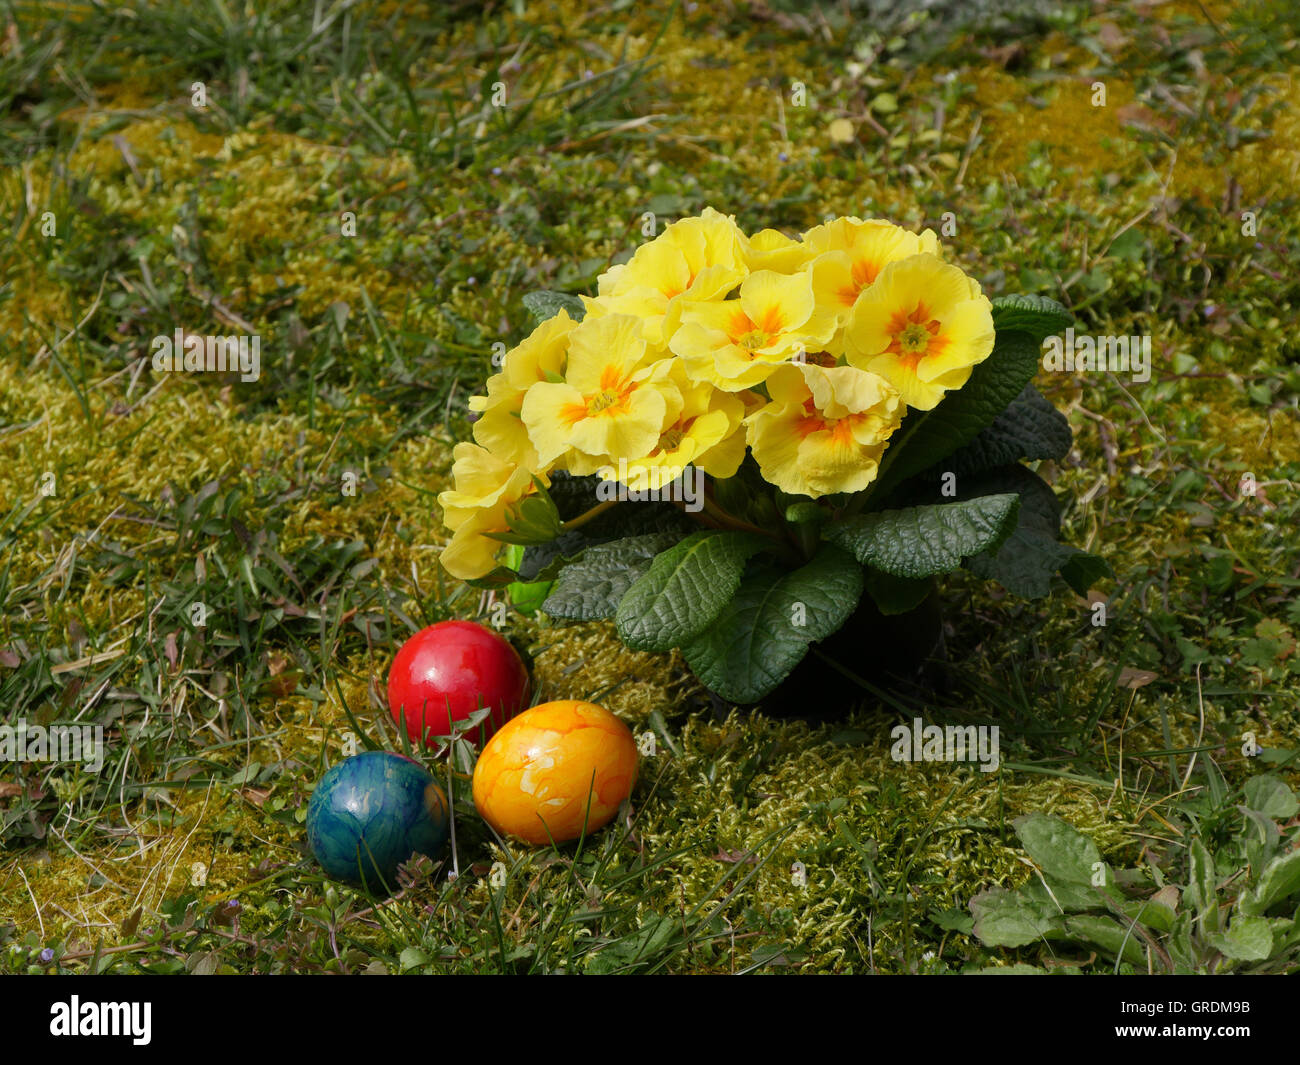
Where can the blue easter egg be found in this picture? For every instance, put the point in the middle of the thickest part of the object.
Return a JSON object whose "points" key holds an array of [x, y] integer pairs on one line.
{"points": [[370, 813]]}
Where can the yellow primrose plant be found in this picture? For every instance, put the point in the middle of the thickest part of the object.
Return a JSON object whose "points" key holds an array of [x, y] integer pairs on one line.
{"points": [[739, 441]]}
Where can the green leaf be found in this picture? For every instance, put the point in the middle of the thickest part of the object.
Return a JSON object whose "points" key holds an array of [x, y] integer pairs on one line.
{"points": [[1030, 428], [592, 586], [1154, 912], [545, 304], [1185, 955], [531, 520], [1107, 933], [896, 595], [1201, 895], [685, 588], [543, 562], [629, 955], [927, 437], [1058, 848], [1031, 555], [1286, 934], [1062, 896], [1130, 245], [526, 596], [577, 495], [1247, 939], [1271, 797], [954, 921], [499, 577], [1008, 919], [1265, 836], [1038, 316], [764, 632], [925, 540], [1279, 879]]}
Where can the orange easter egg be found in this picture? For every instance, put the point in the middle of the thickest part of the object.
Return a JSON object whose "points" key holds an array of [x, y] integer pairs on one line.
{"points": [[535, 776]]}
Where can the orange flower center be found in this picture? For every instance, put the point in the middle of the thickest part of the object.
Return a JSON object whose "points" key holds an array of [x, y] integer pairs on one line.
{"points": [[915, 336], [864, 273], [814, 421], [751, 334], [602, 400]]}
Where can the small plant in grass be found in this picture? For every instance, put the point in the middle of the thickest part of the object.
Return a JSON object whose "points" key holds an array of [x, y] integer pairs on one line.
{"points": [[801, 422], [1234, 907]]}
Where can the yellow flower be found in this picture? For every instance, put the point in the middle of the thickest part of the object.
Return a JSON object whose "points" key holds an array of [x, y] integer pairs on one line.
{"points": [[849, 255], [923, 325], [692, 259], [542, 353], [771, 249], [825, 429], [614, 400], [706, 433], [485, 487], [737, 343]]}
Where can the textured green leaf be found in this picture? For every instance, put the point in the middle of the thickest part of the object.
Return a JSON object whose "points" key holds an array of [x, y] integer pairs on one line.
{"points": [[684, 589], [545, 304], [1031, 555], [1201, 895], [1106, 933], [925, 540], [577, 495], [1270, 796], [1247, 939], [927, 437], [1062, 896], [592, 586], [1153, 912], [1185, 955], [764, 632], [543, 562], [1008, 919], [1030, 428], [1038, 316], [1058, 848], [1278, 880]]}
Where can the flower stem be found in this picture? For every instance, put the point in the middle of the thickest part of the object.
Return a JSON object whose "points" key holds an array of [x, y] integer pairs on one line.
{"points": [[730, 521], [586, 516]]}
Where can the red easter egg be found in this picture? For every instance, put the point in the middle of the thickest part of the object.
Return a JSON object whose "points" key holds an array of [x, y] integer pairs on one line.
{"points": [[447, 671]]}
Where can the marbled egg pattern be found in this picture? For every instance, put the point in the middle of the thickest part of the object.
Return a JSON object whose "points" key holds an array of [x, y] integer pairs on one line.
{"points": [[373, 811], [533, 778]]}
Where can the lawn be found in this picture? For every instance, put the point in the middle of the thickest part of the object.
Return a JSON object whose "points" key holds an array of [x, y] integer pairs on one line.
{"points": [[218, 570]]}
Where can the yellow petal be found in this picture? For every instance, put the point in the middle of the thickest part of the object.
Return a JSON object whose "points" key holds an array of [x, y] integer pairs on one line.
{"points": [[550, 411]]}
